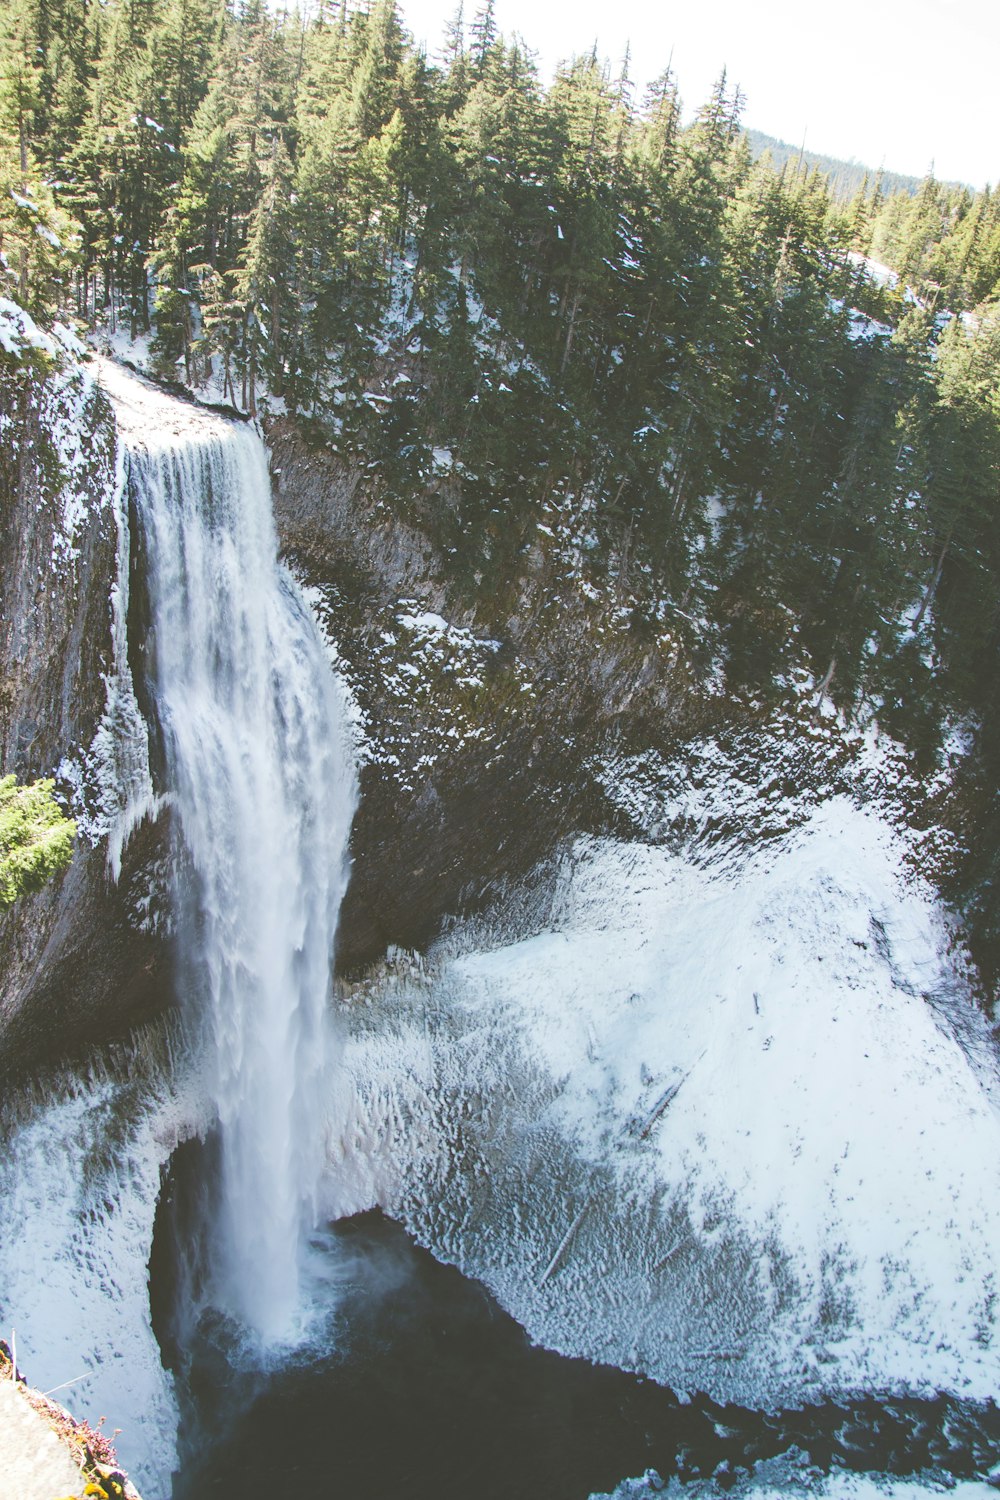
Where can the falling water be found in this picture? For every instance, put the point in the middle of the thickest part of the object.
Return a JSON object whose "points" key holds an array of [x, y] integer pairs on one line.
{"points": [[261, 776]]}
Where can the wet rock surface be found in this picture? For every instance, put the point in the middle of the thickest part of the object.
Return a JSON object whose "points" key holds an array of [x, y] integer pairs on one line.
{"points": [[78, 964], [78, 960], [53, 601], [478, 766]]}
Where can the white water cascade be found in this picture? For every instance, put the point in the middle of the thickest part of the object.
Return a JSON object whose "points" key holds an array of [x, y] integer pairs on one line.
{"points": [[261, 775]]}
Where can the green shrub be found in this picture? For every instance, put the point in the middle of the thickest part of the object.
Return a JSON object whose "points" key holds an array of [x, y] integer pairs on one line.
{"points": [[36, 840]]}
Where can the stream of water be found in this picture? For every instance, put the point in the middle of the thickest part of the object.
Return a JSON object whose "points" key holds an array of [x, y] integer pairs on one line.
{"points": [[260, 772]]}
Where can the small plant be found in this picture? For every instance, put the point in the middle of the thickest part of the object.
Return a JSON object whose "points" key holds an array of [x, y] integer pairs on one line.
{"points": [[97, 1442]]}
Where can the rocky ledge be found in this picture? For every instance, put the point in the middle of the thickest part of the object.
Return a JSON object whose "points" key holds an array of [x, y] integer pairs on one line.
{"points": [[46, 1454]]}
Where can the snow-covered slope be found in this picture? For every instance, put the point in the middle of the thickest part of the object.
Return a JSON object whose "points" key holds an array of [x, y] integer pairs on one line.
{"points": [[731, 1122]]}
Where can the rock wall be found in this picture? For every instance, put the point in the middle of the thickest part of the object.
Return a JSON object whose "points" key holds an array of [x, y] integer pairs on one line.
{"points": [[77, 961], [482, 708]]}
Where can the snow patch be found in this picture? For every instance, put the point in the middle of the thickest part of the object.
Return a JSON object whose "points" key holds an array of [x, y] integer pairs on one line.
{"points": [[875, 271]]}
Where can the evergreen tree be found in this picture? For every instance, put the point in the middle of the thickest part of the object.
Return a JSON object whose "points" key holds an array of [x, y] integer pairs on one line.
{"points": [[484, 36], [37, 240]]}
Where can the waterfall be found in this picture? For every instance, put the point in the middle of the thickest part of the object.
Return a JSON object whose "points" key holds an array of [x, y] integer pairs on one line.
{"points": [[261, 777]]}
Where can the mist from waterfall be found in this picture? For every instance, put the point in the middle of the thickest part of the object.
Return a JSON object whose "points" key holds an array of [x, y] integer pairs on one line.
{"points": [[260, 772]]}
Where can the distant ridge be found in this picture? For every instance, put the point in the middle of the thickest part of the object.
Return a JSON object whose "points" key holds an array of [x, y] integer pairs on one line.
{"points": [[845, 177]]}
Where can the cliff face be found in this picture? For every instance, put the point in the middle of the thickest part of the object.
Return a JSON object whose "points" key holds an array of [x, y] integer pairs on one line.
{"points": [[44, 1451], [58, 559], [484, 701], [75, 961]]}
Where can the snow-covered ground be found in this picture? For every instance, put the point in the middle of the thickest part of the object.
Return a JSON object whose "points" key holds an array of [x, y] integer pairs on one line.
{"points": [[710, 1119], [797, 1482], [882, 275], [79, 1180]]}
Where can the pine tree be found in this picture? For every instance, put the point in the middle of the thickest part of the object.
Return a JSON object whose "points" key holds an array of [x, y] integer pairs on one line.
{"points": [[37, 239], [484, 36], [458, 74]]}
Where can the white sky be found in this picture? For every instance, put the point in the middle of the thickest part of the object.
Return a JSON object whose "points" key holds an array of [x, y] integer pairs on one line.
{"points": [[904, 85]]}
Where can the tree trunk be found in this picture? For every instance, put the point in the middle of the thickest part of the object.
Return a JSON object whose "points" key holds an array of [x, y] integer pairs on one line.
{"points": [[827, 679], [931, 588], [567, 348]]}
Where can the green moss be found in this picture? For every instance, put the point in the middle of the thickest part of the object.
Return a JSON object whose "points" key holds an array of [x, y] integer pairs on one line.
{"points": [[36, 840]]}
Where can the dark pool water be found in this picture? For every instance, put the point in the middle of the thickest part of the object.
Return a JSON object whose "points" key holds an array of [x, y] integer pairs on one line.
{"points": [[426, 1389]]}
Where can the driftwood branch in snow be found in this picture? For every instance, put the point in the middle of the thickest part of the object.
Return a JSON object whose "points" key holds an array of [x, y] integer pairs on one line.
{"points": [[563, 1245], [680, 1245], [643, 1130], [665, 1100]]}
